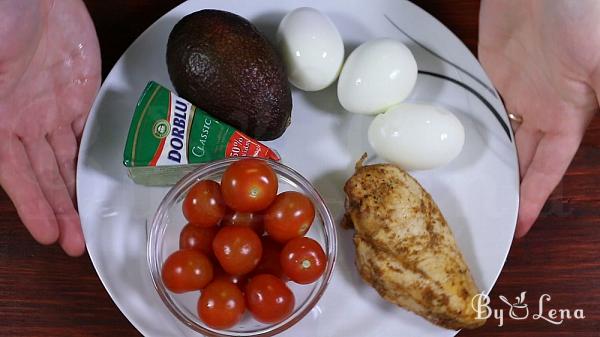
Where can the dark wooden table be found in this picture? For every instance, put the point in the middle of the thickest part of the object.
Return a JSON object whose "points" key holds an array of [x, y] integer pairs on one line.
{"points": [[45, 293]]}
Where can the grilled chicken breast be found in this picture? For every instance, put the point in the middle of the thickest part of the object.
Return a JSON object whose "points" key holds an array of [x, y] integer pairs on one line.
{"points": [[405, 249]]}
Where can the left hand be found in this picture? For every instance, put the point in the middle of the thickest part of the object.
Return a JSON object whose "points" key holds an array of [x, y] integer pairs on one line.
{"points": [[49, 76], [544, 58]]}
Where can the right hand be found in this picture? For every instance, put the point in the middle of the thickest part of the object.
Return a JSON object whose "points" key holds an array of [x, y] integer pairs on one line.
{"points": [[544, 58]]}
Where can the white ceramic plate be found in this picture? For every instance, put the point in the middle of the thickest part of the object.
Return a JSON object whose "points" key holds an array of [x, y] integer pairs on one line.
{"points": [[477, 192]]}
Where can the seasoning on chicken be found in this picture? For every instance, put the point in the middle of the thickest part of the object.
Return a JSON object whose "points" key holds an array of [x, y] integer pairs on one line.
{"points": [[405, 248]]}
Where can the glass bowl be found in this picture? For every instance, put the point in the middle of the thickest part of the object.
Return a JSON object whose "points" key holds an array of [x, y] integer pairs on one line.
{"points": [[164, 239]]}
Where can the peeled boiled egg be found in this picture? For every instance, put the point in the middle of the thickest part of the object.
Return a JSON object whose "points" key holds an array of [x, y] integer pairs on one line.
{"points": [[376, 75], [311, 48], [416, 136]]}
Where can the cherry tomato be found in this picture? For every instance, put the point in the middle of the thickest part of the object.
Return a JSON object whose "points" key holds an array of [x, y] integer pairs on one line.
{"points": [[238, 249], [270, 261], [303, 260], [199, 238], [203, 205], [221, 305], [252, 220], [186, 270], [238, 280], [269, 299], [249, 185], [290, 216]]}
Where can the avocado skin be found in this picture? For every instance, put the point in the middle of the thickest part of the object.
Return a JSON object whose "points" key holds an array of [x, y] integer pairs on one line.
{"points": [[221, 63]]}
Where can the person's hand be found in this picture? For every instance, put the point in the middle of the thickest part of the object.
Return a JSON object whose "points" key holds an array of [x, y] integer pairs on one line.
{"points": [[544, 58], [49, 76]]}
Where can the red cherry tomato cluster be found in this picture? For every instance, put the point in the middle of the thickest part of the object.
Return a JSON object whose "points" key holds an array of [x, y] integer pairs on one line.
{"points": [[243, 241]]}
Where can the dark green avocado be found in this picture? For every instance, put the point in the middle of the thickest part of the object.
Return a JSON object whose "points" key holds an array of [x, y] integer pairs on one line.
{"points": [[221, 63]]}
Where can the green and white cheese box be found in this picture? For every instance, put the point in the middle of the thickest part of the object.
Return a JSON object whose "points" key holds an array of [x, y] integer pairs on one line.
{"points": [[169, 137]]}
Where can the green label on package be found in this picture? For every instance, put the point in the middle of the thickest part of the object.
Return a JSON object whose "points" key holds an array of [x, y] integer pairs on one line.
{"points": [[168, 132]]}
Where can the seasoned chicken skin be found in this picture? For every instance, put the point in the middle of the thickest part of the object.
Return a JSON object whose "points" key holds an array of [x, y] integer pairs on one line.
{"points": [[405, 249]]}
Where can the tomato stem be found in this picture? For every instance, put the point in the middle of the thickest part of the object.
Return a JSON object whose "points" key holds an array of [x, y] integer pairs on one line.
{"points": [[306, 264]]}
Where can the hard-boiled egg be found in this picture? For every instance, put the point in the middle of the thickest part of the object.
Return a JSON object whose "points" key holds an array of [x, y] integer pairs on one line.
{"points": [[377, 75], [311, 47], [416, 136]]}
